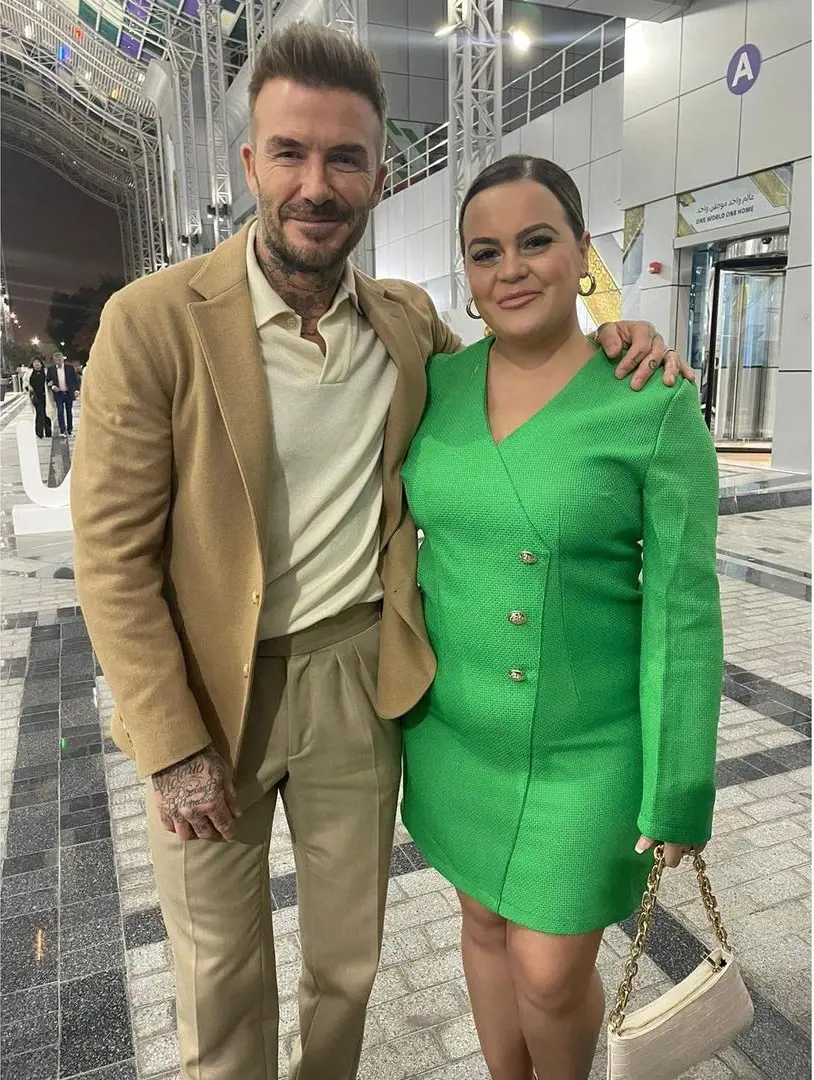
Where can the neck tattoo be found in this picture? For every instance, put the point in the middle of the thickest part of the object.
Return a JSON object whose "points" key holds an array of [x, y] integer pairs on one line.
{"points": [[309, 294]]}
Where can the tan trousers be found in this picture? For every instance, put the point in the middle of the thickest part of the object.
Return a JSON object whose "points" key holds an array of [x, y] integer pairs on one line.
{"points": [[313, 736]]}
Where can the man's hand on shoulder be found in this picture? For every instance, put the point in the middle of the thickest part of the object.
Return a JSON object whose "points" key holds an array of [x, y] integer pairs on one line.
{"points": [[196, 797], [646, 353]]}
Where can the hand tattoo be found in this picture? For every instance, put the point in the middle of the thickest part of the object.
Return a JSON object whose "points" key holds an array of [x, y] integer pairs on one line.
{"points": [[190, 785]]}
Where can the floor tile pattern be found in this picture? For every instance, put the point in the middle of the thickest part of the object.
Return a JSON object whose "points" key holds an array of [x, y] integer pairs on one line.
{"points": [[86, 972]]}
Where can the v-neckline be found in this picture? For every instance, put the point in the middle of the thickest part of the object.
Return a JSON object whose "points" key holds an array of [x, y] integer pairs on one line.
{"points": [[499, 444]]}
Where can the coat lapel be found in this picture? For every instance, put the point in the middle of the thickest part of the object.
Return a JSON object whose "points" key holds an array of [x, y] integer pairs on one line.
{"points": [[389, 319], [224, 322]]}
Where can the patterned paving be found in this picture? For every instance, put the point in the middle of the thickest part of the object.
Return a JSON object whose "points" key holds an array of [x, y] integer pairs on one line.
{"points": [[87, 981]]}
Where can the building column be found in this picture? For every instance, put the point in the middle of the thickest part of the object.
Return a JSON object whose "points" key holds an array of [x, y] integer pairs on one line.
{"points": [[791, 446], [656, 296]]}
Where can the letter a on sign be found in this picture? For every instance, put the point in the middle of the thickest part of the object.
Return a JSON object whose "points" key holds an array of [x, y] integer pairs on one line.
{"points": [[743, 70]]}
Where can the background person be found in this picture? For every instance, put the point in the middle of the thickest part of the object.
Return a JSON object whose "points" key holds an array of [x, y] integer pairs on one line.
{"points": [[64, 385], [573, 717], [38, 395]]}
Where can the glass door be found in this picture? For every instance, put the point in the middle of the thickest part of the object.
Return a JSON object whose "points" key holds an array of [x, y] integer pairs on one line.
{"points": [[746, 353]]}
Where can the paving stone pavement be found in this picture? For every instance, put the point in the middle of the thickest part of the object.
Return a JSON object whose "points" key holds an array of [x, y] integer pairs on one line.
{"points": [[87, 979]]}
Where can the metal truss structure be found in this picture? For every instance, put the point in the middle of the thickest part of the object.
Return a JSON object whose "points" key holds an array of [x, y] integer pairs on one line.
{"points": [[350, 16], [259, 15], [77, 97], [84, 113], [475, 72], [217, 139]]}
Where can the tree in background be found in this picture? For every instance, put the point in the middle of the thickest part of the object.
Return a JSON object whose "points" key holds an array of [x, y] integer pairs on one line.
{"points": [[16, 353], [73, 318]]}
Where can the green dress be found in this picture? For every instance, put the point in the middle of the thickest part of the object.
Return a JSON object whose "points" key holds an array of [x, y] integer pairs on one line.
{"points": [[570, 595]]}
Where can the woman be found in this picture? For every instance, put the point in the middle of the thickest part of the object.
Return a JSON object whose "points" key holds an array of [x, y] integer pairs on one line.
{"points": [[572, 723], [38, 394]]}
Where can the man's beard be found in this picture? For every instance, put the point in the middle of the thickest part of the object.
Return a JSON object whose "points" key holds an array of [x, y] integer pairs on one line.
{"points": [[316, 259]]}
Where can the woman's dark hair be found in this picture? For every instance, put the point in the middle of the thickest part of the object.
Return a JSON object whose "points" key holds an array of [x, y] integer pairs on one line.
{"points": [[34, 359], [525, 167]]}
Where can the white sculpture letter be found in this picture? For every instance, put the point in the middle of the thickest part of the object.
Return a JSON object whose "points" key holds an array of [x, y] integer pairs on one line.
{"points": [[51, 509]]}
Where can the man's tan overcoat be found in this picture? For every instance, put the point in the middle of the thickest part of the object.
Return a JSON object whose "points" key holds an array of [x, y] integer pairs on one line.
{"points": [[170, 490]]}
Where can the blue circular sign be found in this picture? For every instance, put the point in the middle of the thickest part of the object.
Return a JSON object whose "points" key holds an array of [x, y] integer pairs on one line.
{"points": [[743, 70]]}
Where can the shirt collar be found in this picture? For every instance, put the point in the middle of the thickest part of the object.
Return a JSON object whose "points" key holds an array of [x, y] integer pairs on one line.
{"points": [[267, 304]]}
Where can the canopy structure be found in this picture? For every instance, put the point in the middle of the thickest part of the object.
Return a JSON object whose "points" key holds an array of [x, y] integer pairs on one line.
{"points": [[127, 100]]}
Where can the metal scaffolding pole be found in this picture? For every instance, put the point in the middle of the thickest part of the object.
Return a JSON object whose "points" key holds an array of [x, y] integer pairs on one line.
{"points": [[217, 138], [188, 158], [127, 250], [475, 71], [350, 16], [133, 233], [258, 25]]}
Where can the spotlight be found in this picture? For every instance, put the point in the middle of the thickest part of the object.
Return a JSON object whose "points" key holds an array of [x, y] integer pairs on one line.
{"points": [[519, 39]]}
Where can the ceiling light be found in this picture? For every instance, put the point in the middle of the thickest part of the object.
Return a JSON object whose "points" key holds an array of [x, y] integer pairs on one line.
{"points": [[445, 31], [28, 31]]}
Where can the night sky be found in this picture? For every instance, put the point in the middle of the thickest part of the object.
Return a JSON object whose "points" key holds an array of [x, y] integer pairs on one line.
{"points": [[53, 236]]}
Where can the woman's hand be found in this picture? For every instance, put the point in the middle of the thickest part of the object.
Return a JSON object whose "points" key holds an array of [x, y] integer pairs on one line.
{"points": [[673, 853]]}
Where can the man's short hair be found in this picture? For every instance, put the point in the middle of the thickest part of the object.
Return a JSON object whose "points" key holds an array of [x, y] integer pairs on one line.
{"points": [[321, 59]]}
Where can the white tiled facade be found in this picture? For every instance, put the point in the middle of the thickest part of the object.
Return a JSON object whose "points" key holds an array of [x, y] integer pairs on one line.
{"points": [[685, 130], [669, 124]]}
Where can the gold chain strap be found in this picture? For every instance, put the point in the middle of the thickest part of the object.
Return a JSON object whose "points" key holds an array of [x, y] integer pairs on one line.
{"points": [[649, 901]]}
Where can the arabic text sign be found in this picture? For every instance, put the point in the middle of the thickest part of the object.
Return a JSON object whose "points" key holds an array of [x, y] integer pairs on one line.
{"points": [[740, 200]]}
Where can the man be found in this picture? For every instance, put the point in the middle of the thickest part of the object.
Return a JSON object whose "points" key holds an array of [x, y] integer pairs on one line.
{"points": [[64, 384], [234, 551]]}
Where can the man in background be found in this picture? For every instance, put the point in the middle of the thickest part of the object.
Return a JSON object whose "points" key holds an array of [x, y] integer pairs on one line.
{"points": [[64, 385]]}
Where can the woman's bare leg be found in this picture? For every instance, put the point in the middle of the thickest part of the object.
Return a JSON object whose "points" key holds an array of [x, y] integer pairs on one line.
{"points": [[492, 992], [560, 999]]}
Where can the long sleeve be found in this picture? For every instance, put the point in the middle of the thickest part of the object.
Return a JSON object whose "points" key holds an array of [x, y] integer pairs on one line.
{"points": [[120, 499], [682, 638]]}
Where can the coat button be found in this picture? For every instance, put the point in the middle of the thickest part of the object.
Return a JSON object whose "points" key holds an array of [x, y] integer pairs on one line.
{"points": [[245, 671], [517, 675], [255, 597], [517, 618], [528, 557]]}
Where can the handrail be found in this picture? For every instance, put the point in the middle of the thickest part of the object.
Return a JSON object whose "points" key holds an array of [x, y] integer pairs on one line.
{"points": [[542, 92], [538, 91], [417, 161]]}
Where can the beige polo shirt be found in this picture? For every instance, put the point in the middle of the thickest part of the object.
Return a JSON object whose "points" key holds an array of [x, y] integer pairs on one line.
{"points": [[327, 432]]}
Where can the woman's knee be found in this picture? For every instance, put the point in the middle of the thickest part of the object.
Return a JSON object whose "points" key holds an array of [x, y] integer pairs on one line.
{"points": [[556, 981], [481, 925]]}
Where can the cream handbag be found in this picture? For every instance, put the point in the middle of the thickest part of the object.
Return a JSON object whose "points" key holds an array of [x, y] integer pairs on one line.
{"points": [[694, 1019]]}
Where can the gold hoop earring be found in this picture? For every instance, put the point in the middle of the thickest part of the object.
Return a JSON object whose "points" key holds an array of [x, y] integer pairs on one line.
{"points": [[591, 285], [470, 309]]}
